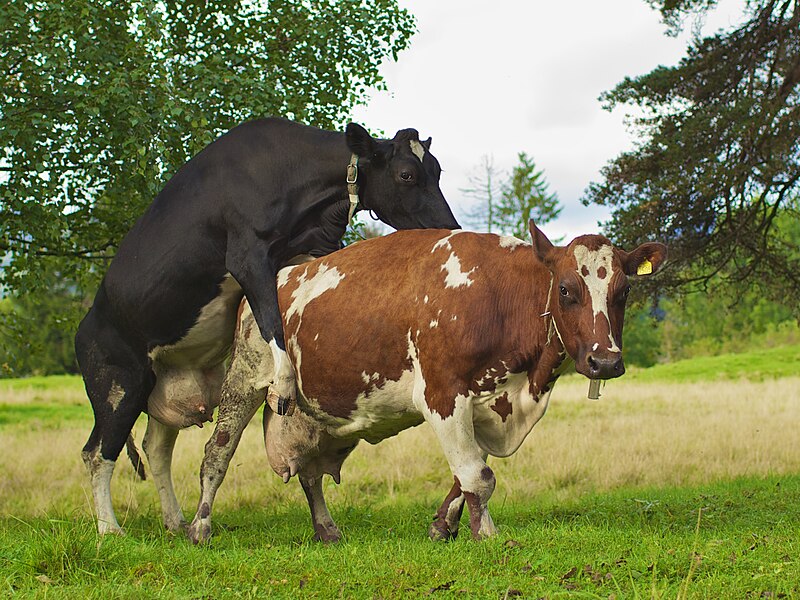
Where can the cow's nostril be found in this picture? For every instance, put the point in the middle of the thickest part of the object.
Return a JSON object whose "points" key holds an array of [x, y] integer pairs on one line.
{"points": [[593, 366]]}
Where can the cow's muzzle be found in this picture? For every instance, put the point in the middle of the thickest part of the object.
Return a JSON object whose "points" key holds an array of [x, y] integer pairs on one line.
{"points": [[604, 367]]}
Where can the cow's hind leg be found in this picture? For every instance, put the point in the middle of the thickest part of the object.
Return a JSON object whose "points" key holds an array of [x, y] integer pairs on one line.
{"points": [[118, 382], [235, 412], [325, 530], [159, 443]]}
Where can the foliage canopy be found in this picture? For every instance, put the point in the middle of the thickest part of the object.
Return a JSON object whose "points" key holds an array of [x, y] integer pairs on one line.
{"points": [[102, 101], [717, 172]]}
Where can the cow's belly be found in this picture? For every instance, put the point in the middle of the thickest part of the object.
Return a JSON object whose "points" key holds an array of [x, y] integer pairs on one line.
{"points": [[209, 340], [380, 412], [505, 417]]}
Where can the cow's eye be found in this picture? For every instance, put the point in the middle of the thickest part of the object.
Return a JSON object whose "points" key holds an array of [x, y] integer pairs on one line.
{"points": [[564, 291], [622, 296], [406, 176]]}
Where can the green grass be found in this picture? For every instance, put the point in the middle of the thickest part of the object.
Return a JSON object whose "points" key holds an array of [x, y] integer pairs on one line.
{"points": [[43, 414], [730, 538], [736, 539], [756, 365], [68, 383]]}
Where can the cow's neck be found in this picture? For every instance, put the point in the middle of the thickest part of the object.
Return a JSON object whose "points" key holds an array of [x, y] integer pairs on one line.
{"points": [[540, 337], [323, 217]]}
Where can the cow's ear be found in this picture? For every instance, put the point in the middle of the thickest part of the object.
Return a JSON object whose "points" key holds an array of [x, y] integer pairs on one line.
{"points": [[363, 145], [542, 246], [645, 260], [427, 144], [359, 141]]}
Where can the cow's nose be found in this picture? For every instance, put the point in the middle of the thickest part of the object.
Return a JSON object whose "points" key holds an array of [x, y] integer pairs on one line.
{"points": [[605, 367]]}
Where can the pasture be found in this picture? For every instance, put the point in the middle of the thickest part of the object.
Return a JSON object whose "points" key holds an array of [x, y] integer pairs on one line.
{"points": [[682, 481]]}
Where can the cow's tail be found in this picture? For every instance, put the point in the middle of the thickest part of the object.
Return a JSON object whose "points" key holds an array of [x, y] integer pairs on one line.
{"points": [[136, 458]]}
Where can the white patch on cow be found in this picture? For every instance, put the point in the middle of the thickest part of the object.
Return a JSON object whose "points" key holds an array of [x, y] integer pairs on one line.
{"points": [[509, 241], [426, 299], [595, 347], [454, 318], [454, 276], [208, 341], [454, 513], [445, 241], [503, 438], [100, 472], [418, 391], [325, 279], [434, 323], [316, 337], [115, 395], [283, 379], [592, 261], [284, 275], [382, 411], [417, 149], [370, 378]]}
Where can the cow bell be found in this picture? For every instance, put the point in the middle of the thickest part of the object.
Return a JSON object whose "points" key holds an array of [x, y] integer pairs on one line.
{"points": [[594, 389]]}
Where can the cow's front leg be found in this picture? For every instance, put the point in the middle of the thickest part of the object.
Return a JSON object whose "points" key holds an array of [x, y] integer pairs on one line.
{"points": [[256, 272], [282, 394], [474, 480], [446, 521], [158, 444]]}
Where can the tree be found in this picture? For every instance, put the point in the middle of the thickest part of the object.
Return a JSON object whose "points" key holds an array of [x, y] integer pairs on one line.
{"points": [[525, 195], [718, 163], [102, 101], [483, 188], [505, 203], [35, 333]]}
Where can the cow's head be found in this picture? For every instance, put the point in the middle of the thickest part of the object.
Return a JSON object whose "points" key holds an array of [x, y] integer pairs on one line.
{"points": [[588, 295], [399, 180]]}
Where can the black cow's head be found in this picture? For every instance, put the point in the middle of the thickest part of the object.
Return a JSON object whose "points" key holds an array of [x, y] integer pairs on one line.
{"points": [[399, 180]]}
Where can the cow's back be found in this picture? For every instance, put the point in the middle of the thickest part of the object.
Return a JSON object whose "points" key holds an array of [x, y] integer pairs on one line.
{"points": [[422, 308]]}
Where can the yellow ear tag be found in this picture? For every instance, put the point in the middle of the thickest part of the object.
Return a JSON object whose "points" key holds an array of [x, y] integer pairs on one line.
{"points": [[645, 268]]}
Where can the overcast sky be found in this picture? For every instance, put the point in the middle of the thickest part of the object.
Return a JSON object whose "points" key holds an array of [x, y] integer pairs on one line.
{"points": [[497, 78]]}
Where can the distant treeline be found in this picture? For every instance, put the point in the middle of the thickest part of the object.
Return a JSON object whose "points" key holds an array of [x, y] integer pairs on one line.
{"points": [[37, 336], [706, 323]]}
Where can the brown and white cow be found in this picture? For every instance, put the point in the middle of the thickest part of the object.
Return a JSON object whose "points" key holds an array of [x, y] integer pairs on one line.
{"points": [[466, 331]]}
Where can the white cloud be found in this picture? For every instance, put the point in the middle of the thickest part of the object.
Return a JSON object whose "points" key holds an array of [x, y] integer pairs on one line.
{"points": [[507, 76]]}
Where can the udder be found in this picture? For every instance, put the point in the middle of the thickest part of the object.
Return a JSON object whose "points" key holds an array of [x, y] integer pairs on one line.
{"points": [[185, 397]]}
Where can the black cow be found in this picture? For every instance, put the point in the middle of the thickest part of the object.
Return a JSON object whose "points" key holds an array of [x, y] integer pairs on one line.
{"points": [[261, 194]]}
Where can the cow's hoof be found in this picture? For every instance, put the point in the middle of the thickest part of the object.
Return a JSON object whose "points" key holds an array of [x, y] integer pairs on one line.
{"points": [[198, 532], [106, 529], [173, 526], [439, 532], [327, 535], [280, 405]]}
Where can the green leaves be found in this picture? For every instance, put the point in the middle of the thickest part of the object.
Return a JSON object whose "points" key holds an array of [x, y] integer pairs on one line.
{"points": [[719, 156], [101, 102]]}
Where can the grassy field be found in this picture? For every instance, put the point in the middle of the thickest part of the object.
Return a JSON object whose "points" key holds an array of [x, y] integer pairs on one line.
{"points": [[682, 481]]}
